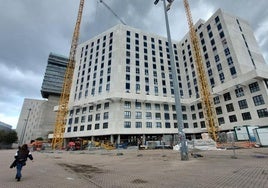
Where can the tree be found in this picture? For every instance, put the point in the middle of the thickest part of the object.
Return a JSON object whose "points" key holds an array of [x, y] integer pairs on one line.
{"points": [[8, 137], [11, 137], [39, 139], [2, 135]]}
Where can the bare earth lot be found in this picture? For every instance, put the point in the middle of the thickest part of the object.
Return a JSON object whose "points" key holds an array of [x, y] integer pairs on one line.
{"points": [[133, 168]]}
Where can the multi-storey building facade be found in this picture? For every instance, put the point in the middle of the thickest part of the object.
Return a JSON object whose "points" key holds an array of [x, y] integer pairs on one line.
{"points": [[29, 123], [123, 90], [37, 117], [5, 127], [54, 75], [236, 71]]}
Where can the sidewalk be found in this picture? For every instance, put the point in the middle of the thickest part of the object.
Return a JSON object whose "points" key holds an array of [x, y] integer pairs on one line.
{"points": [[144, 168]]}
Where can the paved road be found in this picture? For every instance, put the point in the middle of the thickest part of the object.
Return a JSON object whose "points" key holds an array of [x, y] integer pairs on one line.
{"points": [[132, 168]]}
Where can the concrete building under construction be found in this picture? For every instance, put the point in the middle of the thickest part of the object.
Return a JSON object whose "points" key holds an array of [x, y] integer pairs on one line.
{"points": [[123, 91], [37, 117]]}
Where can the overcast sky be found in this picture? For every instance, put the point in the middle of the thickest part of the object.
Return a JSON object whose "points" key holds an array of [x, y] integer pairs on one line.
{"points": [[31, 29]]}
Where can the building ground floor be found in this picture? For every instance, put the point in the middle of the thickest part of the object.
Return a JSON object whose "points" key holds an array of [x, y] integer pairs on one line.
{"points": [[154, 140], [127, 140]]}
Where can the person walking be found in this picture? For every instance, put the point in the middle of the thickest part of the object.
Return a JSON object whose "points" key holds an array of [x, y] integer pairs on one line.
{"points": [[21, 157]]}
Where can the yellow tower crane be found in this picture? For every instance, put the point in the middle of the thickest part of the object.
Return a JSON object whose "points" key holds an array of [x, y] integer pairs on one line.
{"points": [[57, 141], [206, 95]]}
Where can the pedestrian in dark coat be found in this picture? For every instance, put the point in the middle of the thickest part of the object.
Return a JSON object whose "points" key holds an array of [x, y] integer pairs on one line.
{"points": [[21, 157]]}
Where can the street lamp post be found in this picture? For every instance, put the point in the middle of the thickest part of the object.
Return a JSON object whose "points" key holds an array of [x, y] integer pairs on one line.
{"points": [[183, 144]]}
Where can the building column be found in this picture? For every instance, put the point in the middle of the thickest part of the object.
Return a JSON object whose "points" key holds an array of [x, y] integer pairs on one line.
{"points": [[118, 139], [65, 142], [143, 139], [173, 140], [112, 139]]}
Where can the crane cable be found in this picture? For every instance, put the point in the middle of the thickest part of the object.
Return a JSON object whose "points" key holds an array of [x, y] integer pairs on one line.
{"points": [[101, 1]]}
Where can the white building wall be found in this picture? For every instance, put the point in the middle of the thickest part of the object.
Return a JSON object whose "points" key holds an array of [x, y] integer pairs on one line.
{"points": [[29, 120], [37, 119], [114, 70], [244, 43]]}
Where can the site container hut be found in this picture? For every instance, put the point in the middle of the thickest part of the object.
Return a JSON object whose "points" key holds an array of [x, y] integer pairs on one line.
{"points": [[245, 133], [261, 135]]}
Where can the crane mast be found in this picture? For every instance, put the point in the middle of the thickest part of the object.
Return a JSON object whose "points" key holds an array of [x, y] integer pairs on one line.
{"points": [[206, 96], [62, 112]]}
